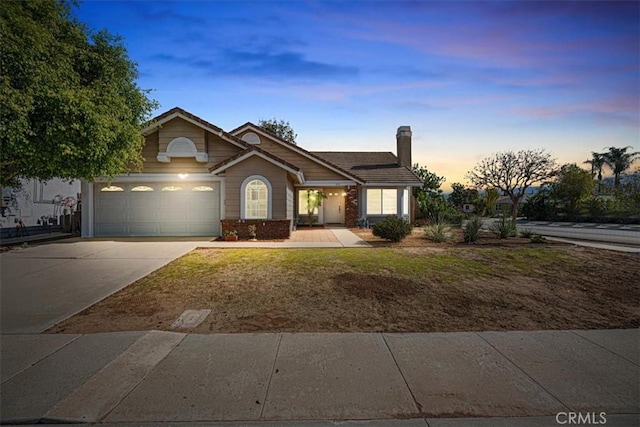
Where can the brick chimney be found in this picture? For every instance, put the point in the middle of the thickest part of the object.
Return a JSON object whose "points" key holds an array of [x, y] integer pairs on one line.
{"points": [[403, 139]]}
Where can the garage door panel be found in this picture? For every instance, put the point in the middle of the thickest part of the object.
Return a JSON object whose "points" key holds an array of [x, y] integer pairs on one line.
{"points": [[158, 213], [170, 201], [142, 216], [111, 201], [110, 230], [173, 229], [169, 215], [142, 230], [111, 215], [143, 202]]}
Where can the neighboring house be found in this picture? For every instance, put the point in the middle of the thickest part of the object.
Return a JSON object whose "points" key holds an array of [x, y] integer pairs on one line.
{"points": [[468, 208], [37, 203], [198, 180]]}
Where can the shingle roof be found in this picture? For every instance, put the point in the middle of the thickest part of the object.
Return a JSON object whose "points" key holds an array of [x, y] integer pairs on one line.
{"points": [[297, 148], [371, 166]]}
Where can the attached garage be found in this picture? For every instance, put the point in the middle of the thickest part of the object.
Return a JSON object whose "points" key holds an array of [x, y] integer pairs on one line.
{"points": [[157, 209]]}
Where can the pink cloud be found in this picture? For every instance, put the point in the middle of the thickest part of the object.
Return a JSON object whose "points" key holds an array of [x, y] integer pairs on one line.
{"points": [[622, 109]]}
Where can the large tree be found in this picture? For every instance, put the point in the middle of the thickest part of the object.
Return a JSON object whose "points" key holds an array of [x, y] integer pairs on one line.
{"points": [[513, 173], [279, 128], [429, 199], [69, 103], [572, 185], [619, 161], [460, 195]]}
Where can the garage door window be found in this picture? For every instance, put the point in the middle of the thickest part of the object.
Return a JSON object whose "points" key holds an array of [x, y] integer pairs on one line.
{"points": [[141, 188], [171, 188], [202, 188], [111, 188]]}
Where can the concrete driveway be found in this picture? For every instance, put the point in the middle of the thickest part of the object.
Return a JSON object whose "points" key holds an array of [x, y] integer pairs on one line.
{"points": [[45, 284]]}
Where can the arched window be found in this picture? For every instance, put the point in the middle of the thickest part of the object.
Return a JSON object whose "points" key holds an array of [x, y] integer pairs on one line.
{"points": [[255, 198]]}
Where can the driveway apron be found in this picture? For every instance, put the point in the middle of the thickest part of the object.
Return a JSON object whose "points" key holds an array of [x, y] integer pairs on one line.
{"points": [[45, 284]]}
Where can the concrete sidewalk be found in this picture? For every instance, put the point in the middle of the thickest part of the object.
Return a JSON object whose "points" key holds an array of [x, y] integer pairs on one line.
{"points": [[315, 379]]}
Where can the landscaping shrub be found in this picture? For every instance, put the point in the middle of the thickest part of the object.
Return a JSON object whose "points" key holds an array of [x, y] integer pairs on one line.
{"points": [[526, 233], [536, 238], [392, 228], [472, 229], [438, 232], [503, 228]]}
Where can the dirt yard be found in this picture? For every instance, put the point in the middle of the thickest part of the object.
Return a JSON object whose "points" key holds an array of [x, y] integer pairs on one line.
{"points": [[411, 286]]}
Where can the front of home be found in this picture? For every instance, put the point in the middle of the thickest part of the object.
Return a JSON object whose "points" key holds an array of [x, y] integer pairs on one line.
{"points": [[198, 180]]}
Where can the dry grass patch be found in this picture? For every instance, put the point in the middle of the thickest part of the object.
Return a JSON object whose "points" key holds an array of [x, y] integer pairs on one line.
{"points": [[445, 288]]}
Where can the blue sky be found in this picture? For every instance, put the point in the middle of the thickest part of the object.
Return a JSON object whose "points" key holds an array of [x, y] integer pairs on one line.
{"points": [[470, 78]]}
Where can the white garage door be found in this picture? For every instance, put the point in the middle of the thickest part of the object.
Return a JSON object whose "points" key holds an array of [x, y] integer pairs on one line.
{"points": [[152, 209]]}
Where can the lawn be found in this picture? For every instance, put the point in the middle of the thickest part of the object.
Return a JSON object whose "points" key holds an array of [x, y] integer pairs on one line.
{"points": [[507, 285]]}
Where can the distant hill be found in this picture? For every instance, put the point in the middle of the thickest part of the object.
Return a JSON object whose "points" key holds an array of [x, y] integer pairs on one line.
{"points": [[609, 181]]}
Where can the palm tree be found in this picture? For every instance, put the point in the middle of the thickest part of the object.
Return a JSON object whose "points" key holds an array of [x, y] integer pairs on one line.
{"points": [[597, 162], [619, 161]]}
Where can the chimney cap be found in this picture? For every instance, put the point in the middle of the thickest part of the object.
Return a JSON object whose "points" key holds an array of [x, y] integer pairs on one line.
{"points": [[404, 131]]}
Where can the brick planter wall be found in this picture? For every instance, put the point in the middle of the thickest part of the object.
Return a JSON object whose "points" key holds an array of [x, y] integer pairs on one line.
{"points": [[351, 215], [266, 229]]}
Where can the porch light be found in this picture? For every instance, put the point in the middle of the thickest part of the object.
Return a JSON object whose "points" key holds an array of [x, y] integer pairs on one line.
{"points": [[183, 175]]}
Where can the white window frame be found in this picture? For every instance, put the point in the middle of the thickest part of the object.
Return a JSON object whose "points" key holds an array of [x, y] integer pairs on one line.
{"points": [[381, 190], [243, 193]]}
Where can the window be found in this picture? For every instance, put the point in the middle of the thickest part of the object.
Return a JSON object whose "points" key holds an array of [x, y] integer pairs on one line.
{"points": [[112, 188], [304, 197], [405, 202], [382, 201], [171, 188], [256, 199], [202, 188], [251, 138], [142, 188]]}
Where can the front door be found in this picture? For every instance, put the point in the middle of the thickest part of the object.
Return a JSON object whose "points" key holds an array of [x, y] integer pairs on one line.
{"points": [[333, 206]]}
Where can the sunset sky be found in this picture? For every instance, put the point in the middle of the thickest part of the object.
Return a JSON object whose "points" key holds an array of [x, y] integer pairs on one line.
{"points": [[470, 78]]}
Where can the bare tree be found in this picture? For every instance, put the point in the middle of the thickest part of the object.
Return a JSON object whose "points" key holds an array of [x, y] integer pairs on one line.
{"points": [[513, 173]]}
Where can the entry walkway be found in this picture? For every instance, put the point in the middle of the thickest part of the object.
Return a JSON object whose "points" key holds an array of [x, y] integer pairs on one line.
{"points": [[388, 379], [334, 237], [318, 235]]}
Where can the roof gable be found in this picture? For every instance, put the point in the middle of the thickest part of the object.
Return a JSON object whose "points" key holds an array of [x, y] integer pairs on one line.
{"points": [[297, 149], [176, 112], [255, 151]]}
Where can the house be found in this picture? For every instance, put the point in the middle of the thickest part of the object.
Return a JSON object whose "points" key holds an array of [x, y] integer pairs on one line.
{"points": [[198, 180], [38, 206]]}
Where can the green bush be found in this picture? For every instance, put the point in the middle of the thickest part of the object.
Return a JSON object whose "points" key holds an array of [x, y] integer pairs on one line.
{"points": [[503, 228], [438, 232], [536, 238], [472, 229], [526, 233], [392, 228]]}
